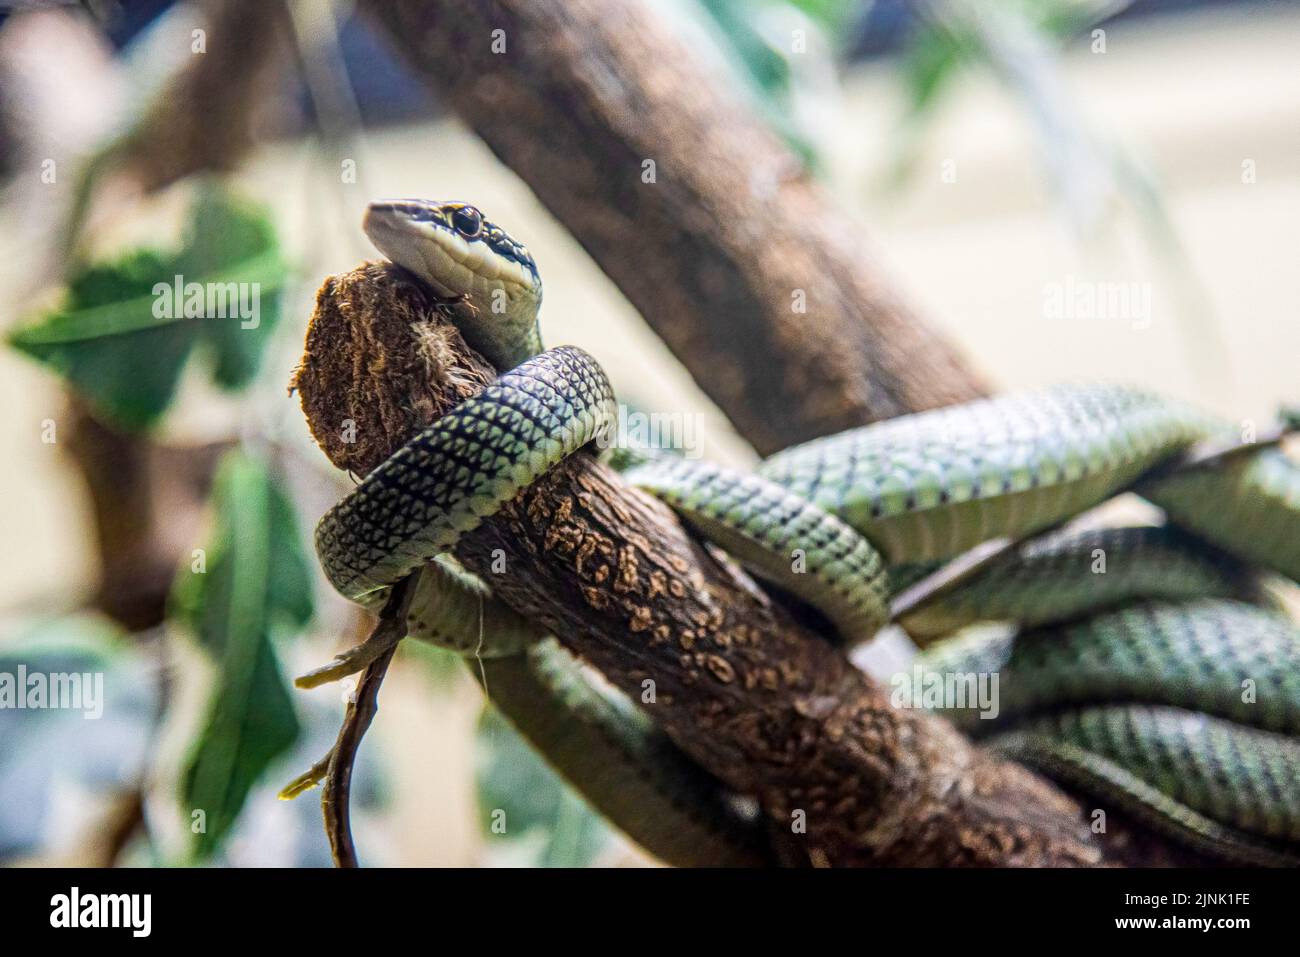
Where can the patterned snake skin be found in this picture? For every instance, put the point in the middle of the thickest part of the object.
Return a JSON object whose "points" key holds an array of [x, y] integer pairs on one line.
{"points": [[447, 479], [1088, 693], [1193, 654], [1093, 702], [1060, 576], [931, 485], [1180, 771]]}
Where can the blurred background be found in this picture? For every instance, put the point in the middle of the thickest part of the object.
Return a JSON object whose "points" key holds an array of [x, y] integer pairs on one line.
{"points": [[1002, 155]]}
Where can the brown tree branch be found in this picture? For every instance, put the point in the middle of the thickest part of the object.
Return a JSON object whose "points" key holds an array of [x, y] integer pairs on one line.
{"points": [[335, 799], [729, 242], [205, 120]]}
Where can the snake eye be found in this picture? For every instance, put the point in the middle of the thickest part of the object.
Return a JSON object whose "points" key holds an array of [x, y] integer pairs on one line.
{"points": [[468, 221]]}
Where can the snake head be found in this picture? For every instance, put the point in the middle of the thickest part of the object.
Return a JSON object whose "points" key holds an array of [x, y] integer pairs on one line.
{"points": [[460, 254]]}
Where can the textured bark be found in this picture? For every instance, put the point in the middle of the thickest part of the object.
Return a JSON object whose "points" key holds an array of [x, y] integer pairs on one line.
{"points": [[717, 250], [755, 697], [761, 702]]}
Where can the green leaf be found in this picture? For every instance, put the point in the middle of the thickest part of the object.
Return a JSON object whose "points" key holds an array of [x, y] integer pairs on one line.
{"points": [[930, 60], [97, 639], [256, 586], [546, 824], [762, 68], [832, 15], [236, 243], [122, 336]]}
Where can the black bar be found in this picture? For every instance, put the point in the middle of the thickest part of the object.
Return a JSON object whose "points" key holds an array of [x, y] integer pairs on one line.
{"points": [[437, 908]]}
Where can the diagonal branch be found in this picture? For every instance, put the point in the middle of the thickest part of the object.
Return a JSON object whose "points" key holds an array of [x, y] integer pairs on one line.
{"points": [[756, 698], [749, 271]]}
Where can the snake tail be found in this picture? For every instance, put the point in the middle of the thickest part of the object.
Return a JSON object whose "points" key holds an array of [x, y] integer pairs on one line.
{"points": [[1107, 781], [1245, 781], [625, 767]]}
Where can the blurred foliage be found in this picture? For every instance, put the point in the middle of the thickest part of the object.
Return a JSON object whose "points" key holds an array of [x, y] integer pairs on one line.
{"points": [[948, 35], [111, 337], [833, 15], [1091, 176], [531, 817], [122, 339], [257, 586], [781, 75], [442, 665], [52, 756], [1019, 42]]}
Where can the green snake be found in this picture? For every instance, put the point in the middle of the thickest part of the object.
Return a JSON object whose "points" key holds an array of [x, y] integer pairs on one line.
{"points": [[824, 521]]}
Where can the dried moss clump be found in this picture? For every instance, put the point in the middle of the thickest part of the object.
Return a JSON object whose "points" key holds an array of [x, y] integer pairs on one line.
{"points": [[381, 362]]}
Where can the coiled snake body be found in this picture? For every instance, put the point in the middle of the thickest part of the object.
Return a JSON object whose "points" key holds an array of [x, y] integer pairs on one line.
{"points": [[1111, 706]]}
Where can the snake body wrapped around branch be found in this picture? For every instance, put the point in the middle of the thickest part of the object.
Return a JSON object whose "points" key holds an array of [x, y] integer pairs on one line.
{"points": [[823, 522]]}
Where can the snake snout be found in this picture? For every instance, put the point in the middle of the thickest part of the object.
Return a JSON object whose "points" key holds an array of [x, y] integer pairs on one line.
{"points": [[413, 242], [387, 219]]}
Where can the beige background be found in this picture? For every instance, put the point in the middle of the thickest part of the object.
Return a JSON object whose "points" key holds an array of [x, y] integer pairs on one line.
{"points": [[1190, 97]]}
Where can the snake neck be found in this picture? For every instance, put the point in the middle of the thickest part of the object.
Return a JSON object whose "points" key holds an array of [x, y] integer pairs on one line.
{"points": [[529, 345], [504, 345]]}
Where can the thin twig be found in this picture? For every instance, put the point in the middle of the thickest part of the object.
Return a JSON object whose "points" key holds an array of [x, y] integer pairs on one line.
{"points": [[336, 794], [336, 767], [308, 779], [1209, 453], [354, 659]]}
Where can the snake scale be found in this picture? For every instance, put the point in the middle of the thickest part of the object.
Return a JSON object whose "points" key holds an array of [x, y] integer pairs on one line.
{"points": [[1126, 683]]}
